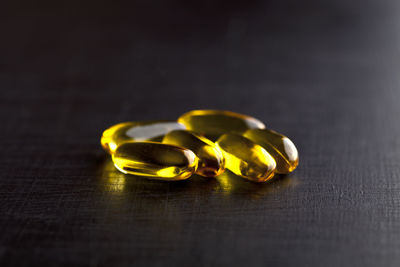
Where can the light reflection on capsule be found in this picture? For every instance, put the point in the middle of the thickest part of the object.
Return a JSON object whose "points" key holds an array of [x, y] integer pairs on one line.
{"points": [[155, 160], [245, 158], [211, 160], [214, 123], [136, 131], [279, 146]]}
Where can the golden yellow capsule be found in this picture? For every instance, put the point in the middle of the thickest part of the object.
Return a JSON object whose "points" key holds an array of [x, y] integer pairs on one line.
{"points": [[245, 158], [136, 131], [279, 146], [211, 160], [214, 123], [157, 160]]}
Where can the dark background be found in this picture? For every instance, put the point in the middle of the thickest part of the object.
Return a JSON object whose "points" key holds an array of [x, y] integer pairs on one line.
{"points": [[325, 73]]}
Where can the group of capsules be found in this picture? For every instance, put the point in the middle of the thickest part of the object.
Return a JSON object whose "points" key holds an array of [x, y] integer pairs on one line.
{"points": [[205, 142]]}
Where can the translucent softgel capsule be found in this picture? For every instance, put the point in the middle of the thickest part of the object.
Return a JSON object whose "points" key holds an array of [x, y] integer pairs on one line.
{"points": [[279, 146], [136, 131], [211, 160], [160, 161], [214, 123], [245, 158]]}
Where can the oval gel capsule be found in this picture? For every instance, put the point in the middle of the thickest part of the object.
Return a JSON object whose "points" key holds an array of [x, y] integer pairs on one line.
{"points": [[160, 161], [136, 131], [245, 158], [214, 123], [211, 160], [279, 146]]}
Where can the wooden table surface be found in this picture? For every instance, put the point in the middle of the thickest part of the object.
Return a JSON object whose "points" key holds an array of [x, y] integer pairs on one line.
{"points": [[325, 73]]}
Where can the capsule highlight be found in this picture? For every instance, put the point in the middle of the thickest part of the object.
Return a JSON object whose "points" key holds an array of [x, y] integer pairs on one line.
{"points": [[214, 123], [211, 161], [281, 148], [136, 131], [156, 160], [245, 158]]}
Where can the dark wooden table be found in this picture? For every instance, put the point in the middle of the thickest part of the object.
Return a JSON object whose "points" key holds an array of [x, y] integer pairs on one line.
{"points": [[325, 73]]}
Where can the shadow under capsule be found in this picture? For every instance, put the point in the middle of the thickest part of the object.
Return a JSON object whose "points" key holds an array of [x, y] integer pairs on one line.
{"points": [[227, 184], [231, 184], [118, 182]]}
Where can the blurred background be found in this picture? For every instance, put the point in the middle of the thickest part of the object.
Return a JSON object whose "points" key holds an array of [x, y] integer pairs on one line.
{"points": [[324, 73]]}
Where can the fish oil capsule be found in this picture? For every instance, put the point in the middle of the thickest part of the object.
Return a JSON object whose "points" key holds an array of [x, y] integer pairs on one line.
{"points": [[211, 160], [214, 123], [279, 146], [157, 160], [245, 158], [136, 131]]}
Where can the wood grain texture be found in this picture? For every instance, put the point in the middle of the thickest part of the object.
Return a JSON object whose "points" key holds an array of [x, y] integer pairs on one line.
{"points": [[325, 73]]}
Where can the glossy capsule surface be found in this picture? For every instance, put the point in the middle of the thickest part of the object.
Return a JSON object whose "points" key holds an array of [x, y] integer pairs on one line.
{"points": [[214, 123], [156, 160], [211, 160], [279, 146], [245, 158], [136, 131]]}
